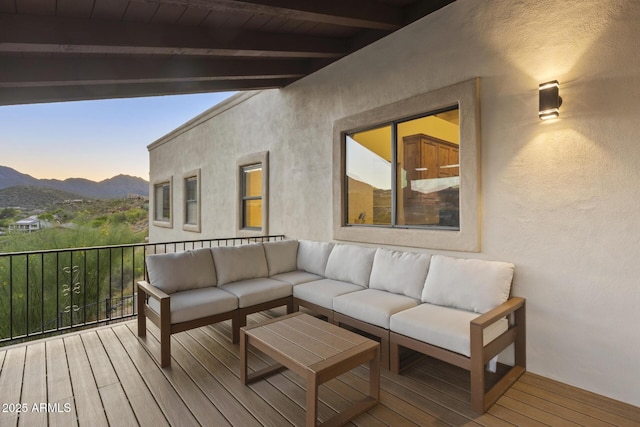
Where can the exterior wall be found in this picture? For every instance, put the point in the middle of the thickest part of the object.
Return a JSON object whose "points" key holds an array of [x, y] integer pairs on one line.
{"points": [[560, 199]]}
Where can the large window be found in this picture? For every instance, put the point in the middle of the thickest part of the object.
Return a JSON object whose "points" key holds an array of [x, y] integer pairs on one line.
{"points": [[405, 173], [408, 173], [253, 184], [162, 207], [192, 201]]}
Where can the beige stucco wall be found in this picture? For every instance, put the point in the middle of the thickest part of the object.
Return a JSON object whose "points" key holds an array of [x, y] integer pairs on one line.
{"points": [[560, 199]]}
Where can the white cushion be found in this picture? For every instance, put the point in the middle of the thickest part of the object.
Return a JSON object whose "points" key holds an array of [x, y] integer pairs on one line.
{"points": [[399, 272], [468, 284], [444, 327], [281, 256], [197, 303], [234, 263], [256, 291], [181, 271], [372, 306], [312, 256], [296, 277], [322, 292], [350, 263]]}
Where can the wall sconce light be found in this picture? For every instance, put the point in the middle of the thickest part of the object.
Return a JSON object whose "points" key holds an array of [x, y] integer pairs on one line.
{"points": [[550, 100]]}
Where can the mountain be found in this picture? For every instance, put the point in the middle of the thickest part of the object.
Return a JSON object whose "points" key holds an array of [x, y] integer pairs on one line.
{"points": [[30, 197], [116, 187], [11, 177]]}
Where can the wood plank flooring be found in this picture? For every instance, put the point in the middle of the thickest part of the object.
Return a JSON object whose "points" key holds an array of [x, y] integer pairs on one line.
{"points": [[106, 377]]}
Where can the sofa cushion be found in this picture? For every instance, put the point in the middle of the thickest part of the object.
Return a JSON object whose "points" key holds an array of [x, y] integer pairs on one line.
{"points": [[349, 263], [399, 272], [372, 306], [444, 327], [234, 263], [181, 271], [281, 256], [197, 303], [322, 292], [468, 284], [296, 277], [256, 291], [312, 256]]}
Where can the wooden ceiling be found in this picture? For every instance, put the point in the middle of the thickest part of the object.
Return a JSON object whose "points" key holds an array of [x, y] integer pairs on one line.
{"points": [[63, 50]]}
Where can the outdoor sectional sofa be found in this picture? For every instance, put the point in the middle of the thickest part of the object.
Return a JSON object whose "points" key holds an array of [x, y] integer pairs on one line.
{"points": [[457, 310]]}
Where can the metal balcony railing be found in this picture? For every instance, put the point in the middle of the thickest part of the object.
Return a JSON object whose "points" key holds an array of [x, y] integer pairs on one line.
{"points": [[48, 292]]}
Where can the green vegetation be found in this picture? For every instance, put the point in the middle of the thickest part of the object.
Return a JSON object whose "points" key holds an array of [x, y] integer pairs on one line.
{"points": [[46, 291]]}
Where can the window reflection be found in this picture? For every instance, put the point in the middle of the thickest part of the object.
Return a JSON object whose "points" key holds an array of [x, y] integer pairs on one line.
{"points": [[421, 189]]}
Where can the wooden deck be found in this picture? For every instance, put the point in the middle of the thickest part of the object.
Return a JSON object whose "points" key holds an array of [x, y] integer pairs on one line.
{"points": [[106, 377]]}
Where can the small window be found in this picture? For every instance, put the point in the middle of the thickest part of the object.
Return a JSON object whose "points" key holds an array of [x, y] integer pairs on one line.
{"points": [[252, 193], [162, 204], [192, 201], [252, 197]]}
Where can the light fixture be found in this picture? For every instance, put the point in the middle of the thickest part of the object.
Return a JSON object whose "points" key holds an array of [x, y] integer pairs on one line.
{"points": [[550, 100]]}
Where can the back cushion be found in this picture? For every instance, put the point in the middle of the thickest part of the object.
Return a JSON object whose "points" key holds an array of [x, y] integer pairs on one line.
{"points": [[234, 263], [468, 284], [313, 256], [399, 272], [181, 271], [351, 264], [281, 256]]}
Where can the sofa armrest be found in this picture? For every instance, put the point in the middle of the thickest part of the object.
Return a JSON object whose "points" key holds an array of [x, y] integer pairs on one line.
{"points": [[504, 309], [150, 290], [516, 334]]}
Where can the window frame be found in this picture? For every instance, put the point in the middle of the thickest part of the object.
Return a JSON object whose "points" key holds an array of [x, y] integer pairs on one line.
{"points": [[251, 160], [163, 222], [194, 227], [467, 238]]}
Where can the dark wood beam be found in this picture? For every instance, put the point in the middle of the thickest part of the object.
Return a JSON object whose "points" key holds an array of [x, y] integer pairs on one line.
{"points": [[350, 13], [42, 34], [32, 95], [423, 8], [63, 70]]}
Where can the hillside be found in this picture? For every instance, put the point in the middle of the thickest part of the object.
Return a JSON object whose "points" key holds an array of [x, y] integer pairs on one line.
{"points": [[30, 197], [116, 187]]}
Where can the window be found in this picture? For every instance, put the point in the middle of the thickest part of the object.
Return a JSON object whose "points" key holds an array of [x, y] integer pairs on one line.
{"points": [[253, 201], [162, 208], [252, 196], [192, 201], [407, 173], [411, 180]]}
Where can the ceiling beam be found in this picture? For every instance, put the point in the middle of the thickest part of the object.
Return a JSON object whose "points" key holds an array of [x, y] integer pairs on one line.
{"points": [[63, 70], [32, 95], [351, 13], [42, 34], [423, 8]]}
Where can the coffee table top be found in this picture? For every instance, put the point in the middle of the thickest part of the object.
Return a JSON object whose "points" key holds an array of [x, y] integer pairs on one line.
{"points": [[310, 343]]}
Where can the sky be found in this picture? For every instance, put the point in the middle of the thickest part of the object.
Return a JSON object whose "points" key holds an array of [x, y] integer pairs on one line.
{"points": [[95, 140]]}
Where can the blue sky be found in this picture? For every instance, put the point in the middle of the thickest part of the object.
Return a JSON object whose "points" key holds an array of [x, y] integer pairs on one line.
{"points": [[92, 139]]}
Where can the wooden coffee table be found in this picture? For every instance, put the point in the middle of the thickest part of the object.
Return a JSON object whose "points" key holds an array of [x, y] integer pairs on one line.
{"points": [[316, 350]]}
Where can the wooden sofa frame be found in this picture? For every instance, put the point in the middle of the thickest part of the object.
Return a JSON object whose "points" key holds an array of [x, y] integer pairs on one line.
{"points": [[162, 320], [481, 354], [390, 343]]}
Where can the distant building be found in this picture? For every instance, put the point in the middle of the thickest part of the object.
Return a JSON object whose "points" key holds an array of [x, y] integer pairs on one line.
{"points": [[132, 196], [29, 224]]}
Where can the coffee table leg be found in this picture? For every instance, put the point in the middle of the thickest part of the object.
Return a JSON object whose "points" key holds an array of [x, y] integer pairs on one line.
{"points": [[374, 376], [243, 357], [312, 400]]}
